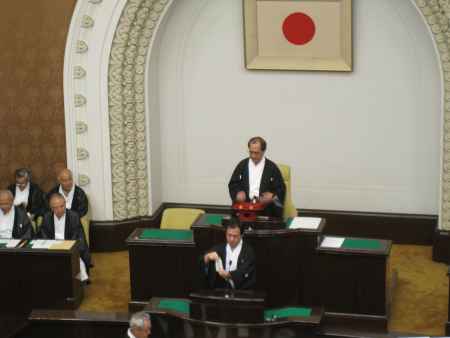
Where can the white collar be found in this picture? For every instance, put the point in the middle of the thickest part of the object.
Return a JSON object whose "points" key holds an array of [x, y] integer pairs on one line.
{"points": [[10, 213], [61, 191], [260, 163], [63, 217], [27, 188], [130, 334], [237, 247]]}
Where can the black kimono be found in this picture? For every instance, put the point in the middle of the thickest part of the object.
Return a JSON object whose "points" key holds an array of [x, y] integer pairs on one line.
{"points": [[36, 200], [80, 202], [22, 228], [244, 277], [271, 181], [73, 230]]}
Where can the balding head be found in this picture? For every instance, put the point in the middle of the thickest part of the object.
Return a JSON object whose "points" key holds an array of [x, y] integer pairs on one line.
{"points": [[65, 179], [57, 204], [6, 200]]}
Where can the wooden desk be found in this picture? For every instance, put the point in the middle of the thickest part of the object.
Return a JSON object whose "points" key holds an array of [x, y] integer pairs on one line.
{"points": [[284, 257], [37, 278], [180, 324], [352, 279], [164, 264], [74, 324], [350, 283]]}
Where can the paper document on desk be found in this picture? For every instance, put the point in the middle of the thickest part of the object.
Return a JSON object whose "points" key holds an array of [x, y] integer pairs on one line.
{"points": [[9, 243], [332, 242], [61, 245], [41, 243], [219, 264], [305, 223]]}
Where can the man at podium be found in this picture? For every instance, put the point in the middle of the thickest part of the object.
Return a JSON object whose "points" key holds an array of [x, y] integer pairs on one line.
{"points": [[231, 265], [258, 178]]}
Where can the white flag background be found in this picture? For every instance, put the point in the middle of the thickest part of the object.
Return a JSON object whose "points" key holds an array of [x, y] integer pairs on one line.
{"points": [[299, 28]]}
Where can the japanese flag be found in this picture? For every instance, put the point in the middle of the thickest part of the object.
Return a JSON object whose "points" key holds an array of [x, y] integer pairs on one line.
{"points": [[310, 29]]}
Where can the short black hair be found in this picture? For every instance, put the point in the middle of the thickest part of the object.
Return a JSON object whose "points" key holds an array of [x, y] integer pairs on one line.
{"points": [[234, 224], [260, 140]]}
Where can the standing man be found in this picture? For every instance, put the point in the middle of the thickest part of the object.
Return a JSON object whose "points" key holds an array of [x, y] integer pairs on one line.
{"points": [[140, 326], [64, 224], [14, 222], [258, 178], [27, 194], [75, 197], [231, 265]]}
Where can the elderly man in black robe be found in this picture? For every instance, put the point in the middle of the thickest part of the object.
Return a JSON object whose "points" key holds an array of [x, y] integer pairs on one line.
{"points": [[14, 222], [27, 194], [64, 224], [258, 178], [75, 197]]}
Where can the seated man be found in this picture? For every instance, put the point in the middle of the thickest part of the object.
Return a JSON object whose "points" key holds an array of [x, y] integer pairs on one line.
{"points": [[140, 326], [232, 264], [75, 197], [64, 224], [27, 194], [258, 178], [14, 222]]}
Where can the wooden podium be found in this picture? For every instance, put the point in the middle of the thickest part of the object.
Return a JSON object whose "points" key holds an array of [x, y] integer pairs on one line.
{"points": [[228, 306]]}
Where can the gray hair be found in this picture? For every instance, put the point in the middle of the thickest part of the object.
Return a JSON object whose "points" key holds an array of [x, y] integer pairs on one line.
{"points": [[23, 172], [138, 320], [7, 193]]}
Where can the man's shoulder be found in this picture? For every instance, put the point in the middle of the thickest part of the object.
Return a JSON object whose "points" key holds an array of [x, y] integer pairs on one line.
{"points": [[47, 216], [35, 187], [271, 163], [243, 162], [79, 190], [12, 188], [246, 247], [72, 215]]}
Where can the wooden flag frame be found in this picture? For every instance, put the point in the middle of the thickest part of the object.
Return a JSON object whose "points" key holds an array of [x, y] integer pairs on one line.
{"points": [[340, 59]]}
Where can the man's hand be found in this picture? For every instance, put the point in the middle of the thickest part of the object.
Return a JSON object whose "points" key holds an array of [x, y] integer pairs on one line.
{"points": [[267, 197], [240, 197], [211, 257], [224, 274]]}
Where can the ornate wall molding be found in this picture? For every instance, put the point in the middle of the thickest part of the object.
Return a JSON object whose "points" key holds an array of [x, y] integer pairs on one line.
{"points": [[437, 15], [86, 61], [129, 155]]}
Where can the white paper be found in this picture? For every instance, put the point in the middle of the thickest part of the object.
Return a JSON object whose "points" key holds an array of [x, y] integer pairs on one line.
{"points": [[219, 264], [332, 242], [12, 243], [42, 243], [305, 223]]}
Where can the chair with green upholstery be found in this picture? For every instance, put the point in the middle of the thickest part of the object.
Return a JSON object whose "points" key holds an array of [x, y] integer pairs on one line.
{"points": [[179, 218], [289, 208]]}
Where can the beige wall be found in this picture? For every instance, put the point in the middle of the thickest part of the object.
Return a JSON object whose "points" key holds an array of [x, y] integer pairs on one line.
{"points": [[32, 42]]}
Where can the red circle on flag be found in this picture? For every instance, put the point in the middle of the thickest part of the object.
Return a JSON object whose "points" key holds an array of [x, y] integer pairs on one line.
{"points": [[299, 28]]}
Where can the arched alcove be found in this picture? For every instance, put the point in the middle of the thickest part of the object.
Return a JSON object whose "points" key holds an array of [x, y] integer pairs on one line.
{"points": [[133, 183], [364, 141]]}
